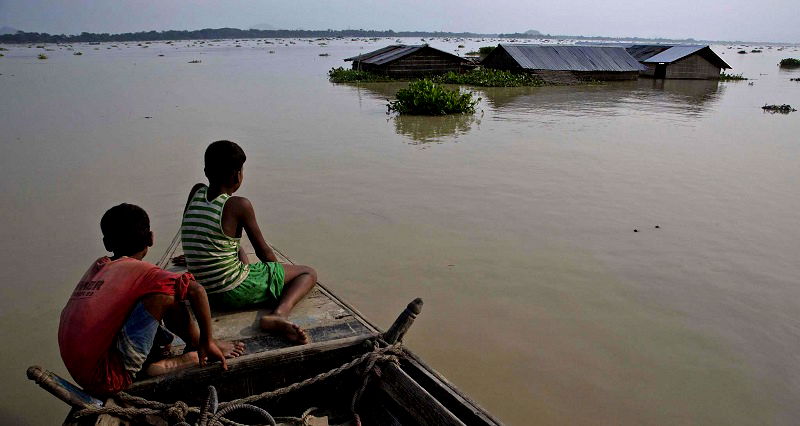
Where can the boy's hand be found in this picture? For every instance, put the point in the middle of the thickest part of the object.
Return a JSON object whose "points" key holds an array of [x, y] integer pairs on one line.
{"points": [[179, 260], [209, 349]]}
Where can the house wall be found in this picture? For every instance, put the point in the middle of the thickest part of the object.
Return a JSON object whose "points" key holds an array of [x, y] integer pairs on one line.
{"points": [[500, 60], [693, 67], [423, 63], [608, 75], [650, 71], [569, 77]]}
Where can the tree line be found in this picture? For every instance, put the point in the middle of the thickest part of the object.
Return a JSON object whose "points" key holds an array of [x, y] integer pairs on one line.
{"points": [[235, 33], [213, 33]]}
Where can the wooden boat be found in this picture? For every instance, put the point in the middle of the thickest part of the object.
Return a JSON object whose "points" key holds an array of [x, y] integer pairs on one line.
{"points": [[373, 392]]}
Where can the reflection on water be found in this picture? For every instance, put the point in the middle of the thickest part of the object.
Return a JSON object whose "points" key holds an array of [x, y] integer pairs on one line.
{"points": [[682, 97], [669, 99], [423, 129]]}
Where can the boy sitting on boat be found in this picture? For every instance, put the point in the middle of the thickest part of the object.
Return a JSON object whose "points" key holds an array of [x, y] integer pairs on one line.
{"points": [[210, 233], [111, 328]]}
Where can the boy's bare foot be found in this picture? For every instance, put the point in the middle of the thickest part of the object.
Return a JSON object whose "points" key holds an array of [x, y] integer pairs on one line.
{"points": [[168, 365], [231, 349], [281, 326]]}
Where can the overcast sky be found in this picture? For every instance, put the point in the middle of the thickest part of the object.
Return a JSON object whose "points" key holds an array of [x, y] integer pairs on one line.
{"points": [[752, 20]]}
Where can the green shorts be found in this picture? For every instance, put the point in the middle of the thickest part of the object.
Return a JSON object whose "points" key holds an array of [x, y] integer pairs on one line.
{"points": [[264, 283]]}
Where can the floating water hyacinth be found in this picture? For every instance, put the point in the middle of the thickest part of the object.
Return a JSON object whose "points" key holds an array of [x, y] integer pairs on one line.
{"points": [[731, 77], [424, 97], [790, 63], [486, 77], [783, 109]]}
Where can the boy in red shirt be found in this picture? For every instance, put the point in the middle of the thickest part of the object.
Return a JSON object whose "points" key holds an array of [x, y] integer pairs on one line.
{"points": [[114, 316]]}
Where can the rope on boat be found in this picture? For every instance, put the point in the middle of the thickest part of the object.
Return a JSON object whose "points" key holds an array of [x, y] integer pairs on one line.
{"points": [[210, 410], [209, 416]]}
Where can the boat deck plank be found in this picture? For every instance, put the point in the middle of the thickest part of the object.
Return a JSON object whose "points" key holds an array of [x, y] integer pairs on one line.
{"points": [[321, 314]]}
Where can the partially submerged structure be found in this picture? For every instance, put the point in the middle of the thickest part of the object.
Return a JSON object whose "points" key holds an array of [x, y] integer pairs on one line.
{"points": [[409, 61], [564, 63], [695, 62]]}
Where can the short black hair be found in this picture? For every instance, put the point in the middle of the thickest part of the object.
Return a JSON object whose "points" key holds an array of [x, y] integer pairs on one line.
{"points": [[126, 229], [223, 159]]}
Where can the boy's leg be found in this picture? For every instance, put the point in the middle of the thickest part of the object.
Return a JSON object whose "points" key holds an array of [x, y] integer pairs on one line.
{"points": [[179, 321], [167, 365], [298, 281], [177, 316]]}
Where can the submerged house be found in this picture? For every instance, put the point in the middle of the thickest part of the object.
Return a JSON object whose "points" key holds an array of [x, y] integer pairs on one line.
{"points": [[684, 61], [562, 63], [409, 61]]}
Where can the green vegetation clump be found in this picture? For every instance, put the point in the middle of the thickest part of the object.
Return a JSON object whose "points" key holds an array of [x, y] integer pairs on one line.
{"points": [[77, 53], [783, 109], [3, 49], [472, 53], [487, 77], [196, 61], [731, 77], [790, 63], [424, 97], [42, 56], [794, 79], [485, 50], [342, 75]]}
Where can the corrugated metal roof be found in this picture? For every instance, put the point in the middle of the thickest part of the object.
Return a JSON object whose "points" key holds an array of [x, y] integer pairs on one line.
{"points": [[572, 58], [394, 52], [673, 54], [373, 53], [645, 51], [676, 53]]}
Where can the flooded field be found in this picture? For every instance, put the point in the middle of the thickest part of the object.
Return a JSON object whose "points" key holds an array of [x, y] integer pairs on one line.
{"points": [[515, 225]]}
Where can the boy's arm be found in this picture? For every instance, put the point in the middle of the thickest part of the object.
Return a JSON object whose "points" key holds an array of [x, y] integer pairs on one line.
{"points": [[202, 312], [247, 217]]}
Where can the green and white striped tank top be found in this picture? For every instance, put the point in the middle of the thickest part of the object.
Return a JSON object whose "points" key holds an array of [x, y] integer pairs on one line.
{"points": [[211, 256]]}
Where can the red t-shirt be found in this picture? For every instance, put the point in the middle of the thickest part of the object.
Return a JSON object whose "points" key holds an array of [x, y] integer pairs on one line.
{"points": [[96, 312]]}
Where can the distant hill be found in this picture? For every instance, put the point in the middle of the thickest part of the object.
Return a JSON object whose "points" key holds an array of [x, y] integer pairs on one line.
{"points": [[8, 30], [263, 27]]}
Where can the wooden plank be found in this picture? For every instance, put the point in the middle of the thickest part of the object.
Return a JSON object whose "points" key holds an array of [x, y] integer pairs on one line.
{"points": [[410, 395], [249, 364]]}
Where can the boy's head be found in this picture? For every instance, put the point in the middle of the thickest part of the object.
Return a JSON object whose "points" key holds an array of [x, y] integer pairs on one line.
{"points": [[224, 162], [126, 230]]}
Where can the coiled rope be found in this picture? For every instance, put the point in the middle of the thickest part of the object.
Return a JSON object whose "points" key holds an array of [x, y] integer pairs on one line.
{"points": [[213, 413]]}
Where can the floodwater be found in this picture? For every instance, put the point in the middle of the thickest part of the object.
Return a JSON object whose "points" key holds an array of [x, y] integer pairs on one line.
{"points": [[515, 225]]}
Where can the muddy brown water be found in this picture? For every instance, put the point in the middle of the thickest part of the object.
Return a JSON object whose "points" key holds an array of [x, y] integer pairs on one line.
{"points": [[515, 224]]}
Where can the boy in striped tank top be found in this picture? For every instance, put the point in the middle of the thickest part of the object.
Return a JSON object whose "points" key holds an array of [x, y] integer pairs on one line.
{"points": [[210, 233]]}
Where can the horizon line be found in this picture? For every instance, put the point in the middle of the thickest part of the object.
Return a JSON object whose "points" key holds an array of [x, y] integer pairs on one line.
{"points": [[452, 33]]}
